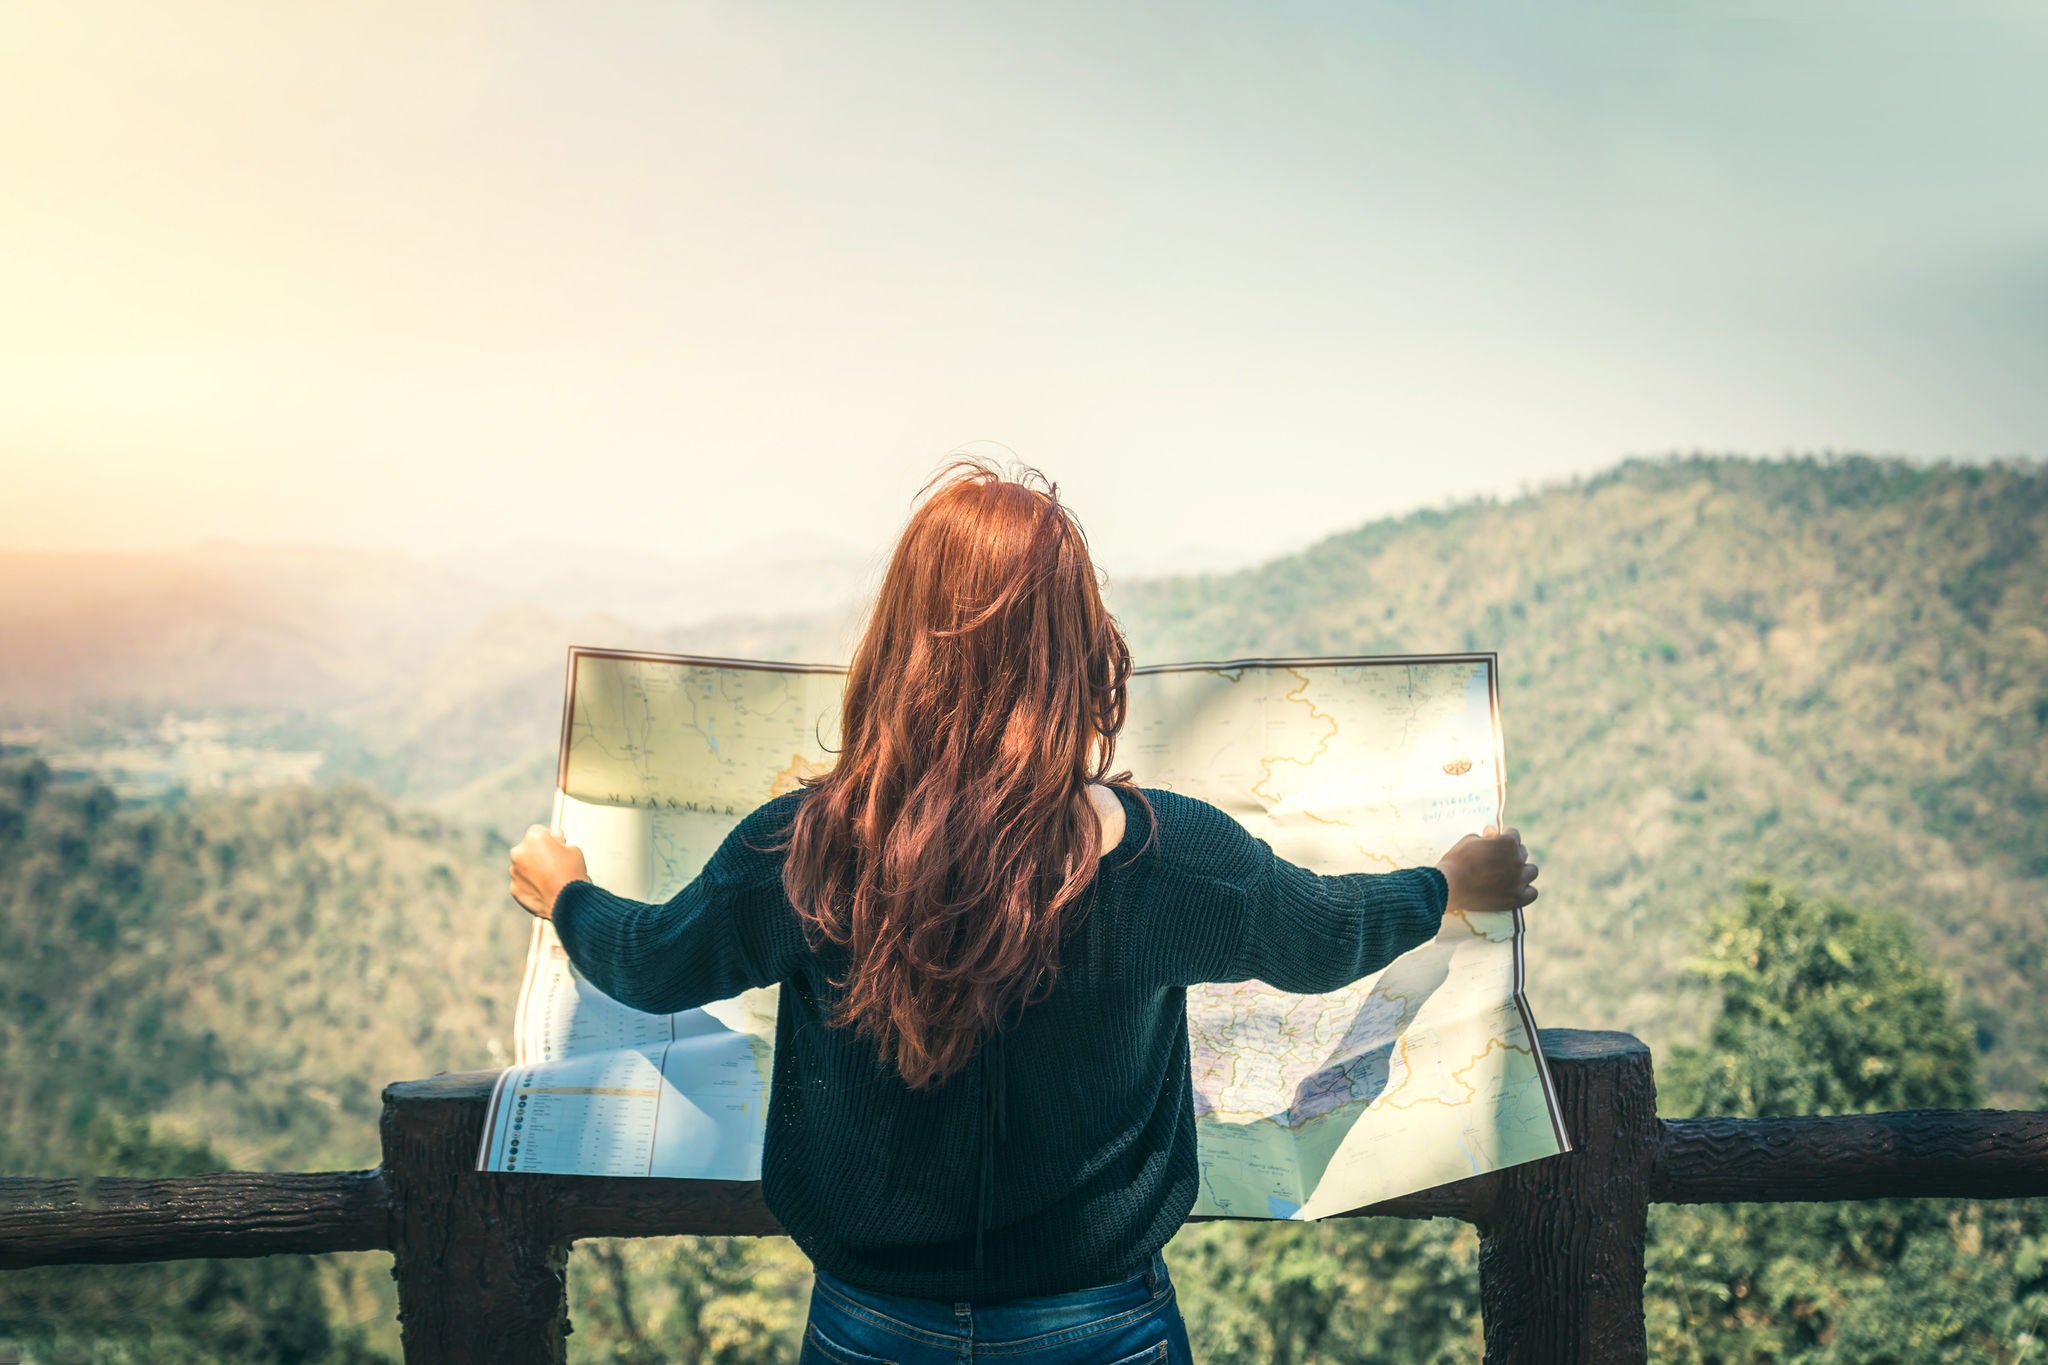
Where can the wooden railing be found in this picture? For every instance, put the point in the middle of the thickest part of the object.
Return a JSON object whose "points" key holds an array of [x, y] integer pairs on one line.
{"points": [[480, 1258]]}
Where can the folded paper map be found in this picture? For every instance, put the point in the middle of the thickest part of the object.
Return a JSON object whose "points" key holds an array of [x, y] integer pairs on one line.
{"points": [[1422, 1073]]}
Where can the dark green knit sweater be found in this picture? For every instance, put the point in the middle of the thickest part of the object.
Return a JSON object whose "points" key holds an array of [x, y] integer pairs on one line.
{"points": [[1065, 1153]]}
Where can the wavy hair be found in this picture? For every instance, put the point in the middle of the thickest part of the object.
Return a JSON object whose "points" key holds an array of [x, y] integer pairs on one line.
{"points": [[953, 843]]}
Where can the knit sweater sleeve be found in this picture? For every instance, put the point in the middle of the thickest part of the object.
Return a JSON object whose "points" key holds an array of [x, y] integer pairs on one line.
{"points": [[1306, 932], [729, 929]]}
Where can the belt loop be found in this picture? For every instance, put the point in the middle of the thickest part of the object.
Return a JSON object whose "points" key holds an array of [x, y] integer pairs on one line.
{"points": [[1155, 1274]]}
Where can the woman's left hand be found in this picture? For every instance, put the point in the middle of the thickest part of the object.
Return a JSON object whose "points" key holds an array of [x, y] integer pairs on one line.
{"points": [[541, 866]]}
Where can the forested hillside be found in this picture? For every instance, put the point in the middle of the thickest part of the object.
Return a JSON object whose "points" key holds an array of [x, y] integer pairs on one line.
{"points": [[1830, 672], [135, 949], [230, 984], [250, 972]]}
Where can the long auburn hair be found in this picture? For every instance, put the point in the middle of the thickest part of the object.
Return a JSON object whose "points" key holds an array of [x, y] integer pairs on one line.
{"points": [[952, 844]]}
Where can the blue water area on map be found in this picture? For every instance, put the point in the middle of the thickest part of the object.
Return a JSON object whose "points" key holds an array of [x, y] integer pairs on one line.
{"points": [[1281, 1208]]}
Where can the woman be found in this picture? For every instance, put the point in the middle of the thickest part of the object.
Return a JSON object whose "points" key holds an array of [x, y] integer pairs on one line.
{"points": [[980, 1125]]}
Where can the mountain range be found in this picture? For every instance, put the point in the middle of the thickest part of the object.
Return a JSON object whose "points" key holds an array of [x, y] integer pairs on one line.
{"points": [[1833, 671]]}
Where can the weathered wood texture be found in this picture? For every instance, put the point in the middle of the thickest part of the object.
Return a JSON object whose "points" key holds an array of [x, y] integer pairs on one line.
{"points": [[1965, 1153], [229, 1213], [481, 1270], [1561, 1245]]}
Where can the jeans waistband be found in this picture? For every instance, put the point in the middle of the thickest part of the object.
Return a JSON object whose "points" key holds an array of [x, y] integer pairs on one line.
{"points": [[1007, 1318]]}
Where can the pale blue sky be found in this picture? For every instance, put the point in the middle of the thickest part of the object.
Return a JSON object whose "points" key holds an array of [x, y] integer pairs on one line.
{"points": [[687, 278]]}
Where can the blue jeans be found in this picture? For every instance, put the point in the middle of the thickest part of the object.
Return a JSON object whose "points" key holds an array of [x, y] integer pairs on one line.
{"points": [[1133, 1320]]}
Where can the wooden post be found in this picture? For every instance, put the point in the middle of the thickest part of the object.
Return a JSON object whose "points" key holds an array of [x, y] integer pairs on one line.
{"points": [[481, 1270], [1561, 1244]]}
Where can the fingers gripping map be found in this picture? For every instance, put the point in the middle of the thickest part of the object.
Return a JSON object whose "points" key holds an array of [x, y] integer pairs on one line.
{"points": [[1423, 1073]]}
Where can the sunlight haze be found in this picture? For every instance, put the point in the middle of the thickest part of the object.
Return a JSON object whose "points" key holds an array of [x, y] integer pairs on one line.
{"points": [[686, 280]]}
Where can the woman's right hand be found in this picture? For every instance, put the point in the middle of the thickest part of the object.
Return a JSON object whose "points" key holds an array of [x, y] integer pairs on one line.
{"points": [[1489, 871]]}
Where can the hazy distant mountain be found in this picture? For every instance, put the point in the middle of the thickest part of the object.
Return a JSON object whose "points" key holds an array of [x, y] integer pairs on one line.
{"points": [[438, 686], [320, 628], [221, 625]]}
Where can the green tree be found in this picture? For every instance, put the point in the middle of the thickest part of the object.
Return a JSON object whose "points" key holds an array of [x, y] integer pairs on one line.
{"points": [[1825, 1009], [1346, 1292], [718, 1300], [264, 1311], [1828, 1008]]}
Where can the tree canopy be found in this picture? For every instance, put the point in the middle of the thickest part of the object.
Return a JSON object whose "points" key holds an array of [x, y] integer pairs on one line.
{"points": [[1827, 1008]]}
